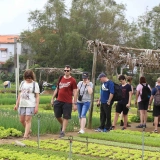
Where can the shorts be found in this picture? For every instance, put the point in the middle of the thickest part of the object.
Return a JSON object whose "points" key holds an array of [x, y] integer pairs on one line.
{"points": [[143, 105], [122, 108], [62, 108], [28, 111], [83, 109], [156, 111]]}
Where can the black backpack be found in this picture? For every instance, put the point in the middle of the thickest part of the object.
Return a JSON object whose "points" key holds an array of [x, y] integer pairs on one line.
{"points": [[117, 92], [157, 98], [146, 93]]}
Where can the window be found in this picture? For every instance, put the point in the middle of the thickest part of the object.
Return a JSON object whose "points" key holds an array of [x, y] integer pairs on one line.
{"points": [[4, 54]]}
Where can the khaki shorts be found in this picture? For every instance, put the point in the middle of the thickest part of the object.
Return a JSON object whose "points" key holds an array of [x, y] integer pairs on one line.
{"points": [[29, 111]]}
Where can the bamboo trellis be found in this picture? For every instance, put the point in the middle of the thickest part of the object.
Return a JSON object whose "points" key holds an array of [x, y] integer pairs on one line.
{"points": [[115, 56]]}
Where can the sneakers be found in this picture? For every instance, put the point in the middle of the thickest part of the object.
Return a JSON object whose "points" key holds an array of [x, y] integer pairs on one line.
{"points": [[106, 130], [81, 132], [139, 126], [123, 128], [62, 134], [121, 123], [99, 130], [144, 126], [155, 131]]}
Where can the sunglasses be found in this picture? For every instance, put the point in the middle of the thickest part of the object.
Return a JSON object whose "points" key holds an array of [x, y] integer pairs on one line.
{"points": [[66, 70]]}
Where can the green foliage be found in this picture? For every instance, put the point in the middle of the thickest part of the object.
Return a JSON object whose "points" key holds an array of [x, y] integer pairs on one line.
{"points": [[136, 118], [47, 107], [10, 132]]}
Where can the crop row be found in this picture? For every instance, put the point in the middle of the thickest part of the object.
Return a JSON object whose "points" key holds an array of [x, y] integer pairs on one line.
{"points": [[97, 150], [14, 155], [125, 138], [4, 133]]}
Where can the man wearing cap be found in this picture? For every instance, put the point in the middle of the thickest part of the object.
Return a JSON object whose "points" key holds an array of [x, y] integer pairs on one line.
{"points": [[85, 89], [105, 102]]}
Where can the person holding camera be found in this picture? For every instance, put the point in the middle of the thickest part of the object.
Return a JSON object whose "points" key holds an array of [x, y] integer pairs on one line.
{"points": [[85, 89]]}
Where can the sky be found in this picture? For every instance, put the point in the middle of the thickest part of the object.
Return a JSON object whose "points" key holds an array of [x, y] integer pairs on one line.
{"points": [[14, 13]]}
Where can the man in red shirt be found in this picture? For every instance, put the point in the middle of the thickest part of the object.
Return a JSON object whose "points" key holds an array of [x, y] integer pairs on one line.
{"points": [[63, 104]]}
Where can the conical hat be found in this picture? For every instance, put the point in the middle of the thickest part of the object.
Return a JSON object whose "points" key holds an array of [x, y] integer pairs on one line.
{"points": [[5, 83]]}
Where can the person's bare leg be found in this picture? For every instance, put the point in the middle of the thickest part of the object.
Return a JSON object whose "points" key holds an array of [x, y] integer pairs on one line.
{"points": [[141, 116], [22, 120], [155, 123], [115, 119], [65, 123], [28, 120], [121, 116], [125, 120], [83, 123], [60, 120]]}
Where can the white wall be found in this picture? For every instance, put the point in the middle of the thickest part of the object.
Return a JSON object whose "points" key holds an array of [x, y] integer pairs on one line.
{"points": [[5, 55]]}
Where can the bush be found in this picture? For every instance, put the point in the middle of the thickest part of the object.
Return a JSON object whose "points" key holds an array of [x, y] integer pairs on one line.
{"points": [[136, 118]]}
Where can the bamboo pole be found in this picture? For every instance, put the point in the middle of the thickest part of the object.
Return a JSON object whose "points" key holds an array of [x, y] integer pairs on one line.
{"points": [[93, 81], [133, 49]]}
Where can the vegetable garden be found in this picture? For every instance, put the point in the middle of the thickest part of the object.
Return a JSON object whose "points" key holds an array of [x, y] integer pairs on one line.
{"points": [[116, 144]]}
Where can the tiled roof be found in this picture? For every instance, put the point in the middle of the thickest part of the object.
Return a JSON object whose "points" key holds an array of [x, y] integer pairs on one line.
{"points": [[8, 38], [3, 49]]}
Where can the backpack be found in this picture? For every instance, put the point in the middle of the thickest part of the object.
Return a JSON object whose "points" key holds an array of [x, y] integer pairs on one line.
{"points": [[117, 92], [157, 97], [59, 80], [146, 93], [33, 91]]}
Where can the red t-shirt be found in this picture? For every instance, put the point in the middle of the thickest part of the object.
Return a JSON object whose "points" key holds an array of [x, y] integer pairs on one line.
{"points": [[66, 87]]}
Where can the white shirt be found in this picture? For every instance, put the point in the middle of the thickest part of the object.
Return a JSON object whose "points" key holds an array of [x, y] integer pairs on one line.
{"points": [[27, 97]]}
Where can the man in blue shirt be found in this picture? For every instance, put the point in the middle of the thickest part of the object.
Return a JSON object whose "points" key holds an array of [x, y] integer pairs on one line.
{"points": [[105, 102], [156, 105]]}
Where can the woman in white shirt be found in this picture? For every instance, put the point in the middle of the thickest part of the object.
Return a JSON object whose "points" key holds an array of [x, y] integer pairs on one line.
{"points": [[27, 101]]}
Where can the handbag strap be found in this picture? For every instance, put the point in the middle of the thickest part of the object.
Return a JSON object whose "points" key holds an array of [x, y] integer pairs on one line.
{"points": [[84, 88]]}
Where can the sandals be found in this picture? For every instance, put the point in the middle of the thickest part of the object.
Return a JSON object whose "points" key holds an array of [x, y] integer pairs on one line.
{"points": [[29, 135], [155, 131], [25, 138]]}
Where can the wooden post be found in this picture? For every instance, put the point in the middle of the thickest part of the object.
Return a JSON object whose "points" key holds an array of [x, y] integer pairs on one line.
{"points": [[93, 81]]}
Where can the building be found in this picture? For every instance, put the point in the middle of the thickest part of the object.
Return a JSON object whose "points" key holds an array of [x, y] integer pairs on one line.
{"points": [[8, 47]]}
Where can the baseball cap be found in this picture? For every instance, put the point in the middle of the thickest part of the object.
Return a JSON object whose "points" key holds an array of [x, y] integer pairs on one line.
{"points": [[101, 75], [85, 75]]}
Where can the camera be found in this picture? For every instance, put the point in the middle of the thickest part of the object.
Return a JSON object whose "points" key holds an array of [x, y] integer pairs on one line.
{"points": [[80, 97]]}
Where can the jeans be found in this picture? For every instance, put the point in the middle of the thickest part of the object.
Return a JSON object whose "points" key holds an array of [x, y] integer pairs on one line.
{"points": [[105, 116], [83, 109]]}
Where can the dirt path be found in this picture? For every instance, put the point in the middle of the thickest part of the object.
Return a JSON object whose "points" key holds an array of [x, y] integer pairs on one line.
{"points": [[149, 128]]}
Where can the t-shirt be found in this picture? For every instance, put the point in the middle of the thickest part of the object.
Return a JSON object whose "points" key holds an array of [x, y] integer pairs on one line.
{"points": [[84, 91], [139, 88], [106, 89], [154, 90], [125, 93], [66, 87], [27, 97]]}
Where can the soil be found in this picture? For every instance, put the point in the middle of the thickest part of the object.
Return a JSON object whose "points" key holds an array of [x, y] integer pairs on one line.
{"points": [[149, 128]]}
